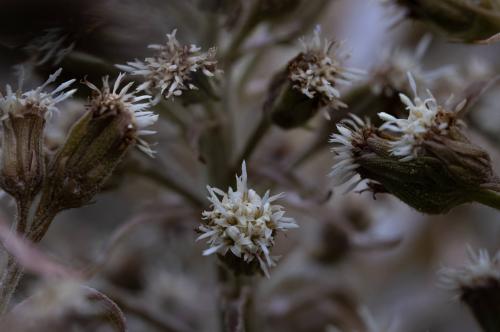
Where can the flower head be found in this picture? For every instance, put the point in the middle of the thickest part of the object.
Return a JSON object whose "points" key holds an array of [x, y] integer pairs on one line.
{"points": [[37, 101], [349, 142], [318, 72], [23, 118], [425, 117], [170, 71], [479, 268], [243, 223], [117, 100], [477, 284]]}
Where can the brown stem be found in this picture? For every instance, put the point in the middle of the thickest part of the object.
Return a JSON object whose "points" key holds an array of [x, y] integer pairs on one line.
{"points": [[253, 141], [13, 271]]}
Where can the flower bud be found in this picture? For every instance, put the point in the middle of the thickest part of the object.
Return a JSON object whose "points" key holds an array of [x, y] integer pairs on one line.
{"points": [[468, 21], [96, 144], [424, 160], [23, 124], [310, 82]]}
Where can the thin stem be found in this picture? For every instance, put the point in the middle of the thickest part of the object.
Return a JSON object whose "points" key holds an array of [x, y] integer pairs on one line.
{"points": [[13, 271], [8, 284], [488, 198], [234, 303], [166, 181], [248, 26], [360, 101], [310, 19], [252, 142]]}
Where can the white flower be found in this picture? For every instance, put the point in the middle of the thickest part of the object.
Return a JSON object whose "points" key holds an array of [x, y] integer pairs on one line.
{"points": [[351, 137], [424, 116], [34, 101], [480, 267], [121, 100], [318, 70], [170, 71], [244, 223], [391, 75]]}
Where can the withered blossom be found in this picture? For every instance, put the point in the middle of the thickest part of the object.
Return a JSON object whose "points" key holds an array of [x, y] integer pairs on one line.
{"points": [[172, 69]]}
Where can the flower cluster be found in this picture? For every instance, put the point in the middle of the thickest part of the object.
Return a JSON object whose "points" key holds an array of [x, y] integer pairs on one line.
{"points": [[116, 100], [244, 223], [36, 100], [318, 72], [424, 117], [171, 70]]}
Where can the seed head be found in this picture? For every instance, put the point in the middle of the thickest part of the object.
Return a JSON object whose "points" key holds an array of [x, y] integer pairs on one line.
{"points": [[172, 69]]}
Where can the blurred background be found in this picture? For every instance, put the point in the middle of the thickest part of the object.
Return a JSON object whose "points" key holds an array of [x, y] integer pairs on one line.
{"points": [[354, 260]]}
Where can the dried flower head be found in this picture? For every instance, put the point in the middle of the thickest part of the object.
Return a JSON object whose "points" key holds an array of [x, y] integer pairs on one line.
{"points": [[480, 268], [119, 100], [37, 101], [425, 160], [318, 71], [244, 223], [425, 118], [23, 122], [477, 284], [348, 145], [171, 70]]}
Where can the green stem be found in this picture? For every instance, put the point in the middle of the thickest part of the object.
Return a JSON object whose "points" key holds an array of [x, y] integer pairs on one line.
{"points": [[488, 197]]}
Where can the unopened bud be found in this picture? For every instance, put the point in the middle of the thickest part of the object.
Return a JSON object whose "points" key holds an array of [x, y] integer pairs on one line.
{"points": [[96, 144]]}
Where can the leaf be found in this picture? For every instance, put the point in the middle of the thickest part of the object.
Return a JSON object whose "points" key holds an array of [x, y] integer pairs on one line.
{"points": [[113, 313]]}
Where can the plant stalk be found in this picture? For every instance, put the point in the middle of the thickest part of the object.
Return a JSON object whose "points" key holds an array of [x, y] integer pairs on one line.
{"points": [[13, 271]]}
